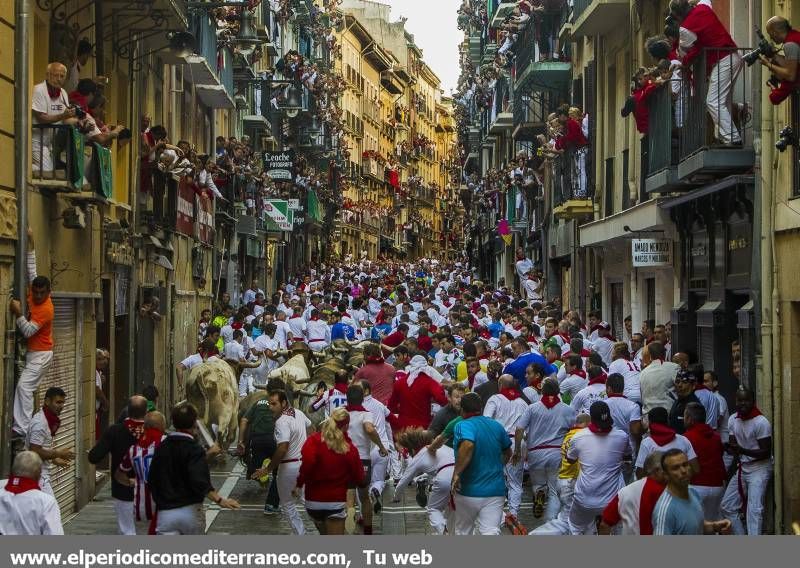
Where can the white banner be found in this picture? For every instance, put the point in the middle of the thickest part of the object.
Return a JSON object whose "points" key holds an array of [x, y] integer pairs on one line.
{"points": [[651, 252]]}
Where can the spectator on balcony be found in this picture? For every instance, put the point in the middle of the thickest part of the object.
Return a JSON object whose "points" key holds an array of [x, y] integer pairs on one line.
{"points": [[50, 105], [666, 48], [703, 34], [82, 55], [205, 179], [783, 67], [97, 115], [83, 94], [573, 140], [153, 142]]}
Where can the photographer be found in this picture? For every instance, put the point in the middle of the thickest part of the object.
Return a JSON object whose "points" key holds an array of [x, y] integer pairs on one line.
{"points": [[783, 67]]}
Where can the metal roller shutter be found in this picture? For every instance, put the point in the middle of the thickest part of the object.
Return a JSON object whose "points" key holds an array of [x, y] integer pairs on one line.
{"points": [[184, 330], [64, 374]]}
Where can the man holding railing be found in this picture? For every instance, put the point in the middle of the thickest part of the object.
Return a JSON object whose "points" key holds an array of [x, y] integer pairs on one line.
{"points": [[702, 31], [50, 105]]}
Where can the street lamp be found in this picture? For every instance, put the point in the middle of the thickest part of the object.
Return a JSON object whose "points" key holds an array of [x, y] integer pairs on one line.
{"points": [[246, 40]]}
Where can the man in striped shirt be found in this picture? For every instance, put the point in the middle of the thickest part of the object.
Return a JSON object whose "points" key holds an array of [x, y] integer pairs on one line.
{"points": [[136, 464]]}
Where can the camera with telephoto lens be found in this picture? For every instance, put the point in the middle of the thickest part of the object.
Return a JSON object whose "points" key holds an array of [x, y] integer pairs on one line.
{"points": [[786, 138], [80, 114], [764, 48]]}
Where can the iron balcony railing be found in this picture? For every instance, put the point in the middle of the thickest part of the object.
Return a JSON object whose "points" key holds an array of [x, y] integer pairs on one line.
{"points": [[662, 141], [570, 179], [57, 155], [716, 102]]}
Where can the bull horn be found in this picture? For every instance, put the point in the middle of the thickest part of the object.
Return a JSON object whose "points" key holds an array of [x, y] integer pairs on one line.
{"points": [[318, 354]]}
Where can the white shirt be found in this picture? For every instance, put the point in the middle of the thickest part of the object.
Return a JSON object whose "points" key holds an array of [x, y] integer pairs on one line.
{"points": [[39, 434], [631, 375], [532, 289], [29, 513], [587, 396], [424, 462], [331, 399], [600, 457], [319, 334], [506, 412], [379, 413], [603, 346], [649, 446], [282, 330], [358, 420], [722, 427], [265, 343], [234, 350], [623, 412], [523, 267], [655, 382], [480, 378], [747, 433], [532, 394], [292, 429], [629, 506], [573, 384], [297, 325], [545, 430], [249, 294], [226, 333]]}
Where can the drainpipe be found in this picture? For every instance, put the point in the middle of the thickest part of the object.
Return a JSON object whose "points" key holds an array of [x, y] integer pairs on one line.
{"points": [[22, 128], [133, 201]]}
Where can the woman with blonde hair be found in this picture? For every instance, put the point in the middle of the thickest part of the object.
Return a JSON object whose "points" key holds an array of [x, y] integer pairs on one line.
{"points": [[330, 464], [438, 464]]}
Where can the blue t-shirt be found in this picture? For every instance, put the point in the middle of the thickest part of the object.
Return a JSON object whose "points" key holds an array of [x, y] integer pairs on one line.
{"points": [[495, 329], [517, 367], [379, 328], [484, 476], [673, 515], [342, 331]]}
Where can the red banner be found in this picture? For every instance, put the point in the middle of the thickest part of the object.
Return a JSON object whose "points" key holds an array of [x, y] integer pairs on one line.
{"points": [[184, 223], [205, 219]]}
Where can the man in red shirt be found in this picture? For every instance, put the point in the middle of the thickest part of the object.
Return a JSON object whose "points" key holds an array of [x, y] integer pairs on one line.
{"points": [[709, 482], [413, 393], [378, 373], [396, 338], [702, 33], [573, 140]]}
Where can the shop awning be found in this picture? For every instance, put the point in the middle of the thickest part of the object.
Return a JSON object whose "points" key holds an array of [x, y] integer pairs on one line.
{"points": [[710, 189], [645, 216]]}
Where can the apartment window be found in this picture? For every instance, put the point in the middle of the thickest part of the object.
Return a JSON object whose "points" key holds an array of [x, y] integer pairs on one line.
{"points": [[650, 298]]}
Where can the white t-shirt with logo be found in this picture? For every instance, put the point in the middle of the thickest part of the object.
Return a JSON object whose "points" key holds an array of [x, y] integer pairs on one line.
{"points": [[587, 396], [630, 373], [43, 138]]}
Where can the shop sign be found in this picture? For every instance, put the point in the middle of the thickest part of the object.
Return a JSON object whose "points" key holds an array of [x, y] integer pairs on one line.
{"points": [[278, 165], [651, 252]]}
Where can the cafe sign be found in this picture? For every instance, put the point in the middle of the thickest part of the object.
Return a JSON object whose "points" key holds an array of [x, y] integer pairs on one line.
{"points": [[278, 165], [651, 252]]}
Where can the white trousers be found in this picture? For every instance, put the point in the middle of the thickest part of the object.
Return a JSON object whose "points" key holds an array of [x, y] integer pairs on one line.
{"points": [[719, 97], [544, 476], [183, 520], [514, 475], [754, 486], [287, 479], [580, 168], [36, 365], [560, 525], [440, 515], [582, 520], [712, 498], [379, 466], [126, 521], [478, 515]]}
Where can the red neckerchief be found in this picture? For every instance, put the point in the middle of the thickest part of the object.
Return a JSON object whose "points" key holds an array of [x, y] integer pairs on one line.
{"points": [[550, 400], [355, 408], [341, 387], [532, 339], [53, 420], [750, 415], [579, 373], [585, 352], [564, 336], [150, 436], [594, 328], [135, 427], [54, 92], [616, 395], [510, 394], [295, 317], [517, 327], [374, 360], [471, 415], [700, 386], [313, 318], [17, 485], [237, 325], [599, 379], [597, 430], [661, 434], [289, 411]]}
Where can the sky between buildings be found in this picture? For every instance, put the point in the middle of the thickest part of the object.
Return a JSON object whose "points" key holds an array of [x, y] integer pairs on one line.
{"points": [[433, 23]]}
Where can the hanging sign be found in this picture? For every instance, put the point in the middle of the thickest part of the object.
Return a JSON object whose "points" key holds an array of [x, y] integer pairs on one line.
{"points": [[651, 252]]}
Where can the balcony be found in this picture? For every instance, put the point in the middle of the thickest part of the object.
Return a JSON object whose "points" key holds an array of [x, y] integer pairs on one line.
{"points": [[57, 157], [598, 17], [705, 151], [499, 12], [214, 84], [571, 187], [535, 75], [370, 167], [267, 28], [475, 47], [530, 114], [663, 155]]}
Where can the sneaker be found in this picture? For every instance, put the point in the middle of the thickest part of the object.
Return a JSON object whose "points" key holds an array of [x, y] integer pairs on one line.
{"points": [[422, 493], [271, 510], [375, 497], [513, 524]]}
